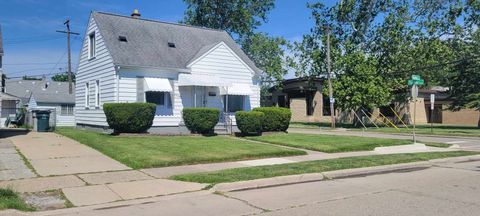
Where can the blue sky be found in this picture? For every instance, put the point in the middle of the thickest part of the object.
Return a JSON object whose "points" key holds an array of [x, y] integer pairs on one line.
{"points": [[33, 47]]}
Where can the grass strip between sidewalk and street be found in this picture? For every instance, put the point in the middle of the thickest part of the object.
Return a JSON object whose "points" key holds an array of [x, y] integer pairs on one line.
{"points": [[9, 199], [259, 172], [328, 143], [159, 151]]}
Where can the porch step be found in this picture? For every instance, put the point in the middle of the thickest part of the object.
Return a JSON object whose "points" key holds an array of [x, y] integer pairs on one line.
{"points": [[220, 129]]}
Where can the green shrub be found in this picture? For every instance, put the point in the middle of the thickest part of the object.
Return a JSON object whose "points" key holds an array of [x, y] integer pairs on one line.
{"points": [[249, 122], [129, 117], [275, 119], [200, 120]]}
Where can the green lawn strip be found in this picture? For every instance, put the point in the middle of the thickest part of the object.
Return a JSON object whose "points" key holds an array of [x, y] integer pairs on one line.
{"points": [[250, 173], [438, 145], [328, 143], [437, 130], [9, 199], [160, 151], [447, 130]]}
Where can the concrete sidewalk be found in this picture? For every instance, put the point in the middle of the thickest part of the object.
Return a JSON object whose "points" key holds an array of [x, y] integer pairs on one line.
{"points": [[53, 154], [11, 163]]}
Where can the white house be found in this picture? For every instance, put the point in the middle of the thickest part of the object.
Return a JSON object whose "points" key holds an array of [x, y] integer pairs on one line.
{"points": [[45, 95], [130, 59]]}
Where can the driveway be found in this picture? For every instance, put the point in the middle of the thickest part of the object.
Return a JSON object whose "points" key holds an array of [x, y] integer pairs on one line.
{"points": [[53, 154]]}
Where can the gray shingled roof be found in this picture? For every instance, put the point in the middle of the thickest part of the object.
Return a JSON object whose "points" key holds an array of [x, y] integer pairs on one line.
{"points": [[1, 41], [56, 92], [147, 41]]}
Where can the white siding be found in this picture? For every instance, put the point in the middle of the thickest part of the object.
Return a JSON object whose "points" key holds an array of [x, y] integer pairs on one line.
{"points": [[223, 63], [89, 70], [128, 92]]}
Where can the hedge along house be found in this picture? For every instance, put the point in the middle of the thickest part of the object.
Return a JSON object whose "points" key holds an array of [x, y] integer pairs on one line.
{"points": [[129, 59]]}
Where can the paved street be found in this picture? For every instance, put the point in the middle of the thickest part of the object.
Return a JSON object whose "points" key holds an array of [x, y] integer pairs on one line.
{"points": [[446, 189], [466, 143]]}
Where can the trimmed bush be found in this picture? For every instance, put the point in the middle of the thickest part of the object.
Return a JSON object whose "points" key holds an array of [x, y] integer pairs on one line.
{"points": [[250, 123], [275, 119], [129, 117], [200, 120]]}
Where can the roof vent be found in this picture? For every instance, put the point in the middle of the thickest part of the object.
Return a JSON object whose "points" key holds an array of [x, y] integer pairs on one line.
{"points": [[136, 14], [122, 38], [171, 45]]}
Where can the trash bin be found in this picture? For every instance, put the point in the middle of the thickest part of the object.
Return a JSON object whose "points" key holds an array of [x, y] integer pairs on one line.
{"points": [[43, 119]]}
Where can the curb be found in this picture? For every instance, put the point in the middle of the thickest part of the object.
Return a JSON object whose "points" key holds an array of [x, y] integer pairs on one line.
{"points": [[267, 182], [337, 174]]}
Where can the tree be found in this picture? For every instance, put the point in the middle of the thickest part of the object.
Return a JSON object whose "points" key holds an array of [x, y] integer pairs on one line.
{"points": [[464, 77], [62, 77], [268, 53], [25, 77], [238, 17]]}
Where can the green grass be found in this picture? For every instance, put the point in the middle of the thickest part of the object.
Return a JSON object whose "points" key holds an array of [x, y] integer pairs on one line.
{"points": [[250, 173], [446, 130], [328, 143], [9, 199], [437, 130], [160, 151]]}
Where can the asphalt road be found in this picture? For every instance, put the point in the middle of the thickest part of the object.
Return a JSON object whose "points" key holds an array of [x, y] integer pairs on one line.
{"points": [[466, 143], [446, 189]]}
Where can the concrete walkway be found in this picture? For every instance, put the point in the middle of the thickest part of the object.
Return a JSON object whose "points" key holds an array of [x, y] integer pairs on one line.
{"points": [[53, 154], [11, 163], [87, 177]]}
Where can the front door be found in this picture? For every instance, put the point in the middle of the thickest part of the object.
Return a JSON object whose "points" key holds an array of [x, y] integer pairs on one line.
{"points": [[199, 96]]}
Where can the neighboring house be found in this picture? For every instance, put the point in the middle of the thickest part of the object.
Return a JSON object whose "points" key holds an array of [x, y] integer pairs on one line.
{"points": [[304, 98], [2, 77], [43, 95], [129, 59]]}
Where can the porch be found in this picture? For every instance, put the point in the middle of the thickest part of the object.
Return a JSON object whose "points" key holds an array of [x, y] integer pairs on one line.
{"points": [[172, 95]]}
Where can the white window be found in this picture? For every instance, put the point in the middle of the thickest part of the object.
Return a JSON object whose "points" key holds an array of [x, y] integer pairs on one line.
{"points": [[162, 100], [66, 110], [97, 93], [235, 103], [91, 45], [87, 95]]}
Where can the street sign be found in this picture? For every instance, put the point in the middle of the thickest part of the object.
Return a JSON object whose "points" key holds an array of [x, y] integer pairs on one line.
{"points": [[432, 101], [332, 100], [416, 80]]}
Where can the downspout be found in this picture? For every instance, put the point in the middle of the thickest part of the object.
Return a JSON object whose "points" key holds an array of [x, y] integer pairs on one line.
{"points": [[117, 82]]}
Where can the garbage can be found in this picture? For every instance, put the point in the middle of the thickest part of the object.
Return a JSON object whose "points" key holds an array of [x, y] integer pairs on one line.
{"points": [[43, 118]]}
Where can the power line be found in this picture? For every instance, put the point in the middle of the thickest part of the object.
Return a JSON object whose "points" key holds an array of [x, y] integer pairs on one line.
{"points": [[34, 63]]}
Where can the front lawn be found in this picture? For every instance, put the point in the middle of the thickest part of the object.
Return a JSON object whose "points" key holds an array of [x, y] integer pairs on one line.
{"points": [[437, 130], [160, 151], [11, 200], [328, 143], [447, 130], [250, 173]]}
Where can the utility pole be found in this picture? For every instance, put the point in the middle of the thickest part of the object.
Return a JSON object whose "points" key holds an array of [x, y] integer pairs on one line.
{"points": [[330, 90], [68, 32]]}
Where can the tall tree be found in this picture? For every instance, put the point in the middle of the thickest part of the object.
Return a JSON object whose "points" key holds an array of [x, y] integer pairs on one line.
{"points": [[238, 17]]}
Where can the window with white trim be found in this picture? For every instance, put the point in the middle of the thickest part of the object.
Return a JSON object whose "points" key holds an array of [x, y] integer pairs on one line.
{"points": [[235, 102], [91, 45], [87, 95], [66, 110], [97, 93], [162, 100]]}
